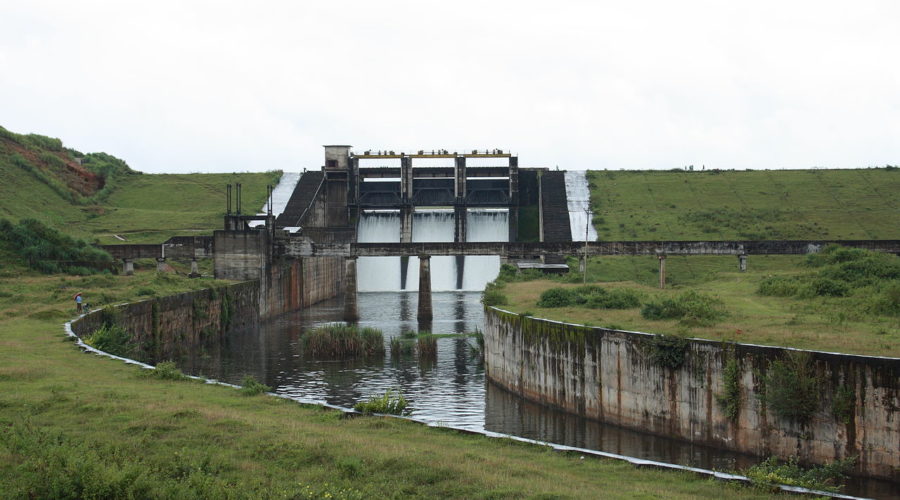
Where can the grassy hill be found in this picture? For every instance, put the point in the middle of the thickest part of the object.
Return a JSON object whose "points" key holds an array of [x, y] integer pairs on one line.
{"points": [[96, 195], [754, 205]]}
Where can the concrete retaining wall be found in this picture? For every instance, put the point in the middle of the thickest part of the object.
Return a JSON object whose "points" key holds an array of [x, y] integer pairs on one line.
{"points": [[176, 326], [285, 284], [609, 375]]}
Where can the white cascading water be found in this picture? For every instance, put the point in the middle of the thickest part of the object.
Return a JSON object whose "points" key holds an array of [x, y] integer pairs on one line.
{"points": [[484, 225], [280, 196], [579, 201], [378, 274]]}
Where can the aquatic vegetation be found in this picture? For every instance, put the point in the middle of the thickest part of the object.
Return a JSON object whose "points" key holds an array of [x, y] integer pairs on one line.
{"points": [[336, 341], [388, 403], [251, 387]]}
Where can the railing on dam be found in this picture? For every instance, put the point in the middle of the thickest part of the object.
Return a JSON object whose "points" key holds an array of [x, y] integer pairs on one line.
{"points": [[304, 247]]}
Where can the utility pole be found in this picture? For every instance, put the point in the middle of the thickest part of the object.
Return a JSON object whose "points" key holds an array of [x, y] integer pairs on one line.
{"points": [[587, 216]]}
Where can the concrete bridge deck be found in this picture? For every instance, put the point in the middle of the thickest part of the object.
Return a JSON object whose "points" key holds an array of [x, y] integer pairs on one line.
{"points": [[303, 247]]}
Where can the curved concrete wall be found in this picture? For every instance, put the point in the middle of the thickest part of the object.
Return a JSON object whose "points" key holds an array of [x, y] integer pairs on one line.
{"points": [[609, 375]]}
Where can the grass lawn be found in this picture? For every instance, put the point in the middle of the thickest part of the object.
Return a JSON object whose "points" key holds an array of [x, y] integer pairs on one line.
{"points": [[821, 323], [759, 204], [75, 425]]}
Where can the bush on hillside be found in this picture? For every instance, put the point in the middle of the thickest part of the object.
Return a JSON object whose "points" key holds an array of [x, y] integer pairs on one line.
{"points": [[691, 308], [50, 251]]}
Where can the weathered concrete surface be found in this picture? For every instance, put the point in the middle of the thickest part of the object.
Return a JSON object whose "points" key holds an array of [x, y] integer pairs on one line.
{"points": [[299, 246], [608, 375], [285, 284], [180, 325]]}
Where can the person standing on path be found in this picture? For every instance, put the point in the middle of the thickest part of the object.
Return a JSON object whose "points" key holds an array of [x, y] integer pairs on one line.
{"points": [[78, 306]]}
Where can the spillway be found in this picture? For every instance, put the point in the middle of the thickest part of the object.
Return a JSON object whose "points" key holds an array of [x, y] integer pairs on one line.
{"points": [[383, 274], [578, 196]]}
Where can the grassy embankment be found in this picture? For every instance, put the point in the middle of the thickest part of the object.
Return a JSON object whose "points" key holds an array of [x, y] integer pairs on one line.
{"points": [[760, 204], [814, 204], [77, 425], [143, 208]]}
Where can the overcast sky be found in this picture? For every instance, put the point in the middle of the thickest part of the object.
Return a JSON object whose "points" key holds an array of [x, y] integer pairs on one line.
{"points": [[179, 86]]}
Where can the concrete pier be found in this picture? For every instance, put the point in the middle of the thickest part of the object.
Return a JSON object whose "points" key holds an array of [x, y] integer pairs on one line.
{"points": [[662, 270], [160, 264], [195, 270], [406, 222], [425, 311], [351, 307], [128, 267], [742, 262]]}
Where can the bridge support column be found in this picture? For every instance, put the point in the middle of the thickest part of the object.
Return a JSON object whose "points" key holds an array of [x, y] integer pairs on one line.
{"points": [[742, 263], [425, 312], [460, 215], [195, 271], [128, 267], [351, 308], [513, 217], [662, 270], [406, 221], [160, 264]]}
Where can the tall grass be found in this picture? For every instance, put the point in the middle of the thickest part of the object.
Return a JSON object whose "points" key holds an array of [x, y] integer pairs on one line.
{"points": [[388, 403], [50, 251], [342, 341]]}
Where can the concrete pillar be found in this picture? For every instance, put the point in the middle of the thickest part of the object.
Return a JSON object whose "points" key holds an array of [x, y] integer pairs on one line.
{"points": [[195, 270], [406, 179], [460, 271], [404, 271], [128, 267], [406, 222], [513, 198], [742, 262], [460, 177], [160, 264], [351, 308], [460, 218], [425, 312], [662, 270]]}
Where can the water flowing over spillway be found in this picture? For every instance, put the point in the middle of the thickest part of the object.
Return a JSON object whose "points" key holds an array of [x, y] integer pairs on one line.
{"points": [[579, 201], [280, 196], [380, 274]]}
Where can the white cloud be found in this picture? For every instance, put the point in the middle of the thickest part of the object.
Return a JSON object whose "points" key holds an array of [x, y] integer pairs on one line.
{"points": [[222, 86]]}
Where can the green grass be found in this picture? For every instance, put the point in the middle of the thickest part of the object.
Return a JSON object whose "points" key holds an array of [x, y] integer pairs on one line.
{"points": [[143, 208], [75, 425], [760, 204], [840, 324]]}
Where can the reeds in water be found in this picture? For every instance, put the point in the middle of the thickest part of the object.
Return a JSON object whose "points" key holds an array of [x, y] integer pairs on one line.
{"points": [[336, 341], [426, 345], [388, 403]]}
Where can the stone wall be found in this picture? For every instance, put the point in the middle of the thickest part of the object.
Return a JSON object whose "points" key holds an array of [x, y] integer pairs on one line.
{"points": [[613, 376], [176, 326]]}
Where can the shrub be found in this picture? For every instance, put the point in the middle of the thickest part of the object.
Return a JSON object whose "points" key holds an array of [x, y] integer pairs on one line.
{"points": [[828, 477], [560, 297], [145, 291], [342, 341], [166, 370], [251, 387], [112, 339], [888, 301], [493, 297], [388, 404], [842, 404], [824, 287], [50, 251], [691, 308], [791, 387], [730, 399], [401, 346], [614, 299], [666, 351], [779, 286]]}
